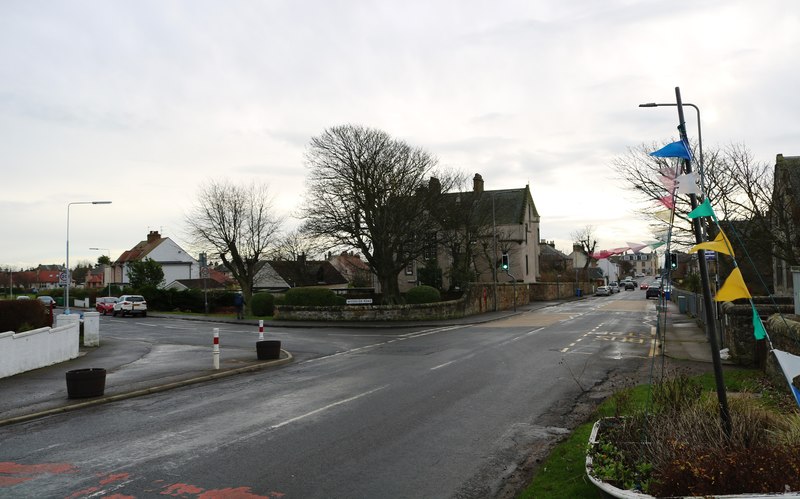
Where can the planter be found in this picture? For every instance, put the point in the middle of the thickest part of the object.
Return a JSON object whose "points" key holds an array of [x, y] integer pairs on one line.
{"points": [[609, 490], [268, 349], [85, 383]]}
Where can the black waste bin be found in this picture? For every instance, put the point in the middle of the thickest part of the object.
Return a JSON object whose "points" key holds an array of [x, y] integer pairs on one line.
{"points": [[85, 383], [268, 349]]}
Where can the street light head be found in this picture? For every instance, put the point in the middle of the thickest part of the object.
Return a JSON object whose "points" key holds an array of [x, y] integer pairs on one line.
{"points": [[649, 104]]}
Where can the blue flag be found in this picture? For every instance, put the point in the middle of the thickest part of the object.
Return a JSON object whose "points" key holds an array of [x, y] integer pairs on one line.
{"points": [[674, 150]]}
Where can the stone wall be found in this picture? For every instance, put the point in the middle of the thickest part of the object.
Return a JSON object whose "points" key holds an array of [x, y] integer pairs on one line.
{"points": [[785, 335], [477, 299], [550, 291], [737, 330]]}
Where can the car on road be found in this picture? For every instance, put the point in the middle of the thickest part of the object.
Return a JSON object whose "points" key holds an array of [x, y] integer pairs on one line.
{"points": [[643, 285], [602, 291], [130, 305], [653, 291], [23, 297], [613, 287], [105, 304], [630, 286], [48, 301]]}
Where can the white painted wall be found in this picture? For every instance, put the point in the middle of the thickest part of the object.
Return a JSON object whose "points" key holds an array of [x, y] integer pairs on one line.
{"points": [[20, 352]]}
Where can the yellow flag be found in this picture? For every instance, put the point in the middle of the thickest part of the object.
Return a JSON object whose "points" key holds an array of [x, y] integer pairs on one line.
{"points": [[664, 215], [733, 288], [720, 244]]}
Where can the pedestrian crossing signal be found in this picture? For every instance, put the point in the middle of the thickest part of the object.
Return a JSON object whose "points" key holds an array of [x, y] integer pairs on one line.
{"points": [[504, 262]]}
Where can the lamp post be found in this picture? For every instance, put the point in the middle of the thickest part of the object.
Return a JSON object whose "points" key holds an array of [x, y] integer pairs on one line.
{"points": [[66, 292], [704, 279], [109, 261]]}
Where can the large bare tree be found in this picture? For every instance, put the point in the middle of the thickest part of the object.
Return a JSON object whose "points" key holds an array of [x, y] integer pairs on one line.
{"points": [[369, 191], [238, 223], [587, 241]]}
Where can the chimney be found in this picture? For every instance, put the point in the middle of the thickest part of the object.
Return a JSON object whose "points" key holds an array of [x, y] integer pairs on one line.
{"points": [[477, 183], [434, 186], [153, 235]]}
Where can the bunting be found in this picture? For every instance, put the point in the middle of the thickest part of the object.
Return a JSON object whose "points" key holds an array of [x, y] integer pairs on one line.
{"points": [[733, 288], [720, 244], [636, 247], [687, 184], [703, 210], [674, 150], [758, 327], [668, 202], [790, 365]]}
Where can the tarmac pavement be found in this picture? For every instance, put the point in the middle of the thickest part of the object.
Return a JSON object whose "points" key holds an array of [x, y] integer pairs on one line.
{"points": [[136, 369]]}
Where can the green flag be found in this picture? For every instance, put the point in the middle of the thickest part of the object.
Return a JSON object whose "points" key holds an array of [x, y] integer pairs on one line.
{"points": [[704, 210], [758, 327]]}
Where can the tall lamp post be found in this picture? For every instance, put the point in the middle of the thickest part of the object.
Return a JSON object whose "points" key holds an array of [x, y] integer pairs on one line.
{"points": [[108, 251], [704, 280], [66, 293]]}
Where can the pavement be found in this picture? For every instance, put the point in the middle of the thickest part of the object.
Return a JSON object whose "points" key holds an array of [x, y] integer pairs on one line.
{"points": [[136, 370]]}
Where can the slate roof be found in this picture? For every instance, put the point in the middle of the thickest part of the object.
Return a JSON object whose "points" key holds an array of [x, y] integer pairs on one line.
{"points": [[308, 273]]}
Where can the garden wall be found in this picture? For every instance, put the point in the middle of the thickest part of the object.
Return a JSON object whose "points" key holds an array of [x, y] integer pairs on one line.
{"points": [[20, 352], [736, 324], [549, 291], [477, 299]]}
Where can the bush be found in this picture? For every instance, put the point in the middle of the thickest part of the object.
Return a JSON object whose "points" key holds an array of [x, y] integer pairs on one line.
{"points": [[423, 294], [312, 297], [22, 315], [263, 304]]}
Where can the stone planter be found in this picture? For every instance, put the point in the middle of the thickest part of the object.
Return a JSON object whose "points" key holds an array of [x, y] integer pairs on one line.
{"points": [[86, 383], [268, 349], [609, 490]]}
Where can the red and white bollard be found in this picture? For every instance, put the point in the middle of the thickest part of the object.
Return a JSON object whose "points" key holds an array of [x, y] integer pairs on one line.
{"points": [[216, 348], [260, 330]]}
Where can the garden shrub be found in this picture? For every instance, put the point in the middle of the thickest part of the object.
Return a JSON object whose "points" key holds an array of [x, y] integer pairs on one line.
{"points": [[263, 304], [312, 297], [423, 294]]}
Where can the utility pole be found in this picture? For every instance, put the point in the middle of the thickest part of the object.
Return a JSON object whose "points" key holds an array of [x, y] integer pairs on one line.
{"points": [[708, 304]]}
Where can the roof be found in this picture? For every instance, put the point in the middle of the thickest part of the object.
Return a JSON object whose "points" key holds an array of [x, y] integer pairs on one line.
{"points": [[505, 206], [196, 284], [308, 273]]}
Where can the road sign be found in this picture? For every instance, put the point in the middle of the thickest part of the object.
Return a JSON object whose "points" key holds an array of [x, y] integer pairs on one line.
{"points": [[711, 255], [359, 301], [203, 271], [62, 278]]}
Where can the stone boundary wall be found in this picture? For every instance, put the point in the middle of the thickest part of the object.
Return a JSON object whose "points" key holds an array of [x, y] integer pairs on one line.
{"points": [[477, 299], [737, 330], [549, 291], [20, 352]]}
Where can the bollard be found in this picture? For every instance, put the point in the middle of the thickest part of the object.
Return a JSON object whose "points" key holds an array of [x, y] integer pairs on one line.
{"points": [[260, 330], [216, 348]]}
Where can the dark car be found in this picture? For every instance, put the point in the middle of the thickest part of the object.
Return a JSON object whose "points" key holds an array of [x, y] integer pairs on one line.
{"points": [[630, 285], [652, 291]]}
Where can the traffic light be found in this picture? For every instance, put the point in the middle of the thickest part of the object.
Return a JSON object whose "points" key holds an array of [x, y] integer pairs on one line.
{"points": [[673, 261], [504, 261]]}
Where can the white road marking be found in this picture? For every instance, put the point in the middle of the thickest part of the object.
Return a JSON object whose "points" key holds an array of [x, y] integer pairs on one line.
{"points": [[325, 408]]}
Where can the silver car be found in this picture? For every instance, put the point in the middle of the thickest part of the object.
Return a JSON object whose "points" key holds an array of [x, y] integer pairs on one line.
{"points": [[602, 291]]}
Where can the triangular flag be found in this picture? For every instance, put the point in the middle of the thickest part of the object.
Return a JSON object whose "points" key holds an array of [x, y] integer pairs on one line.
{"points": [[674, 150], [665, 215], [790, 365], [720, 244], [733, 288], [668, 183], [667, 201], [758, 327], [636, 247], [687, 184], [703, 210], [657, 244]]}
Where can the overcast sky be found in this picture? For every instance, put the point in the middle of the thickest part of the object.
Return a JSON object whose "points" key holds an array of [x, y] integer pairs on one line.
{"points": [[139, 102]]}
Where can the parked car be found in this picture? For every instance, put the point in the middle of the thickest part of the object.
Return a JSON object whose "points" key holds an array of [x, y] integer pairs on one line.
{"points": [[48, 301], [602, 291], [653, 291], [130, 305], [613, 287], [23, 297], [105, 304]]}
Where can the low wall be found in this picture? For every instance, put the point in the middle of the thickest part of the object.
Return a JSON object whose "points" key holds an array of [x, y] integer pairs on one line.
{"points": [[549, 291], [737, 330], [477, 299], [20, 352]]}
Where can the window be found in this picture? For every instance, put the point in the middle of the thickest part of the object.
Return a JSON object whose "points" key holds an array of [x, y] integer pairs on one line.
{"points": [[410, 269]]}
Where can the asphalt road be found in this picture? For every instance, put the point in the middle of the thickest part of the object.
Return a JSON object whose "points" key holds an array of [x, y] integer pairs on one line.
{"points": [[441, 412]]}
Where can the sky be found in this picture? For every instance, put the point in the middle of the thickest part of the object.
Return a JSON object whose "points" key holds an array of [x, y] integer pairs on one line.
{"points": [[141, 102]]}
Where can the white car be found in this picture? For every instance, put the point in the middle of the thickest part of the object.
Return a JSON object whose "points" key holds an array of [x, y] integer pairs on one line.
{"points": [[130, 305], [602, 291]]}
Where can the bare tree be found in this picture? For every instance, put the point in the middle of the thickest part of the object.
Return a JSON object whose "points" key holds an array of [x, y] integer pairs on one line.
{"points": [[298, 243], [367, 190], [238, 223], [740, 190], [587, 241]]}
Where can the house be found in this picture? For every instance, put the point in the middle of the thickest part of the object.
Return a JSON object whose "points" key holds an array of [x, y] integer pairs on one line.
{"points": [[643, 264], [216, 280], [280, 275], [552, 260], [510, 214], [176, 263], [785, 215], [352, 268]]}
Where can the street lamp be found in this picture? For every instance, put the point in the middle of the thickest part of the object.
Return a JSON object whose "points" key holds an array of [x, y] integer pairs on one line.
{"points": [[105, 273], [66, 293]]}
